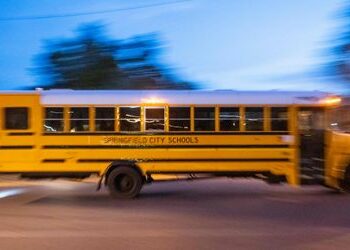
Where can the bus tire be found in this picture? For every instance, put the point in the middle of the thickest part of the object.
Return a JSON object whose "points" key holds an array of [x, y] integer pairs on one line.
{"points": [[124, 182]]}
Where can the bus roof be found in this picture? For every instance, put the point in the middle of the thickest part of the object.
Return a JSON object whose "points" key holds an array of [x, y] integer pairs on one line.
{"points": [[178, 97], [202, 97]]}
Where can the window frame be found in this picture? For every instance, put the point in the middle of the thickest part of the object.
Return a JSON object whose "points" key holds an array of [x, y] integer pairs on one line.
{"points": [[28, 123], [119, 119], [115, 119], [144, 119], [240, 118], [287, 120], [69, 119], [204, 119], [191, 121], [263, 117], [63, 118], [266, 116]]}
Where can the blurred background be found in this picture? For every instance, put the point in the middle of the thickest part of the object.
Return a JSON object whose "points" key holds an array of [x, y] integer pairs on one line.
{"points": [[175, 44]]}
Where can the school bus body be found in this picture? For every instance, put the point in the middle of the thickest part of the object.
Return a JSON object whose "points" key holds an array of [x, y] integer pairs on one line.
{"points": [[338, 160], [33, 152]]}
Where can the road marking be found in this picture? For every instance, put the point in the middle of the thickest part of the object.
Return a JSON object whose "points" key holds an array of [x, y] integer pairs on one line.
{"points": [[10, 192], [283, 199], [17, 184]]}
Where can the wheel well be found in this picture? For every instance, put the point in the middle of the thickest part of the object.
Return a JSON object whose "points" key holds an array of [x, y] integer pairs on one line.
{"points": [[117, 164], [346, 172]]}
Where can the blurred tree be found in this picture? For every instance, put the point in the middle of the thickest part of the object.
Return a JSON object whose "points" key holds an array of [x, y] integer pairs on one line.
{"points": [[338, 61], [93, 61]]}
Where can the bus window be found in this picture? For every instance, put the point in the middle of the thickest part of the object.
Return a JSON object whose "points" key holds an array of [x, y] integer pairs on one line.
{"points": [[104, 119], [310, 119], [179, 118], [340, 118], [54, 121], [154, 119], [129, 119], [279, 119], [79, 119], [254, 119], [204, 119], [16, 118], [229, 119]]}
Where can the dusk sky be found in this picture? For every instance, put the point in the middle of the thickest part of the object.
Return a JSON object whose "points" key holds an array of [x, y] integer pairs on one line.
{"points": [[224, 44]]}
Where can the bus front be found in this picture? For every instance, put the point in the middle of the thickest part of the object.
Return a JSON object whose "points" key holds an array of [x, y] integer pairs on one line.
{"points": [[337, 148]]}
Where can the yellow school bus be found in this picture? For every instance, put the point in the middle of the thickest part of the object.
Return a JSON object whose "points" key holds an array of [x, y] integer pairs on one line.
{"points": [[130, 138]]}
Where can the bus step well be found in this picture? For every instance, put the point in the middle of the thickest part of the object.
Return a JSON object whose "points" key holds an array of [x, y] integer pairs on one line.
{"points": [[312, 173]]}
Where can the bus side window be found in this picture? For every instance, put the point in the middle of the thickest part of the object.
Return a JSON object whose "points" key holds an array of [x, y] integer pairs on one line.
{"points": [[204, 118], [54, 121], [179, 118], [339, 118], [79, 119], [104, 118], [254, 119], [229, 119], [279, 119], [154, 119], [130, 119], [16, 118]]}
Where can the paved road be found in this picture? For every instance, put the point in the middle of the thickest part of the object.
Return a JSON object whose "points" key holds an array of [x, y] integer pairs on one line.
{"points": [[207, 214]]}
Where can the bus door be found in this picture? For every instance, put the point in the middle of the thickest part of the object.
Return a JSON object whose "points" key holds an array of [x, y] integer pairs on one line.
{"points": [[311, 126], [154, 119]]}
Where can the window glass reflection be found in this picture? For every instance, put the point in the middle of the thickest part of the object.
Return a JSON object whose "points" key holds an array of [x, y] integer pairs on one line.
{"points": [[104, 118], [279, 119], [54, 119], [79, 119], [254, 119], [179, 118], [229, 119], [154, 119], [204, 118], [16, 118], [129, 119]]}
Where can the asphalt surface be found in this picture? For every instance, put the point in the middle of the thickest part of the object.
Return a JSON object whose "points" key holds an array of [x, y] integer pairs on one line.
{"points": [[206, 214]]}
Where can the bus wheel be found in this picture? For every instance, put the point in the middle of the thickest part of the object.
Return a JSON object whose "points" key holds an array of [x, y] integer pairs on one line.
{"points": [[124, 182]]}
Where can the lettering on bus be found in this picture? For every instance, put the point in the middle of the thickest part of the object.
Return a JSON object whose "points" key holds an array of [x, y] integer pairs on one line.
{"points": [[144, 140]]}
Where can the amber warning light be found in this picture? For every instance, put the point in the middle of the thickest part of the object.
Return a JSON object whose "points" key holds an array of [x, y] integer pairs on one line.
{"points": [[153, 100], [332, 100]]}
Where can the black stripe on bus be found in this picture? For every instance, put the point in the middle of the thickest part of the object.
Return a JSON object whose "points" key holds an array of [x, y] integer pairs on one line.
{"points": [[53, 160], [233, 173], [16, 147], [162, 146], [53, 174], [166, 133], [193, 160], [20, 133]]}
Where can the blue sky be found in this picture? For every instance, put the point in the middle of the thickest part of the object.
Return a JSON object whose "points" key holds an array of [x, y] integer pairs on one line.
{"points": [[224, 44]]}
